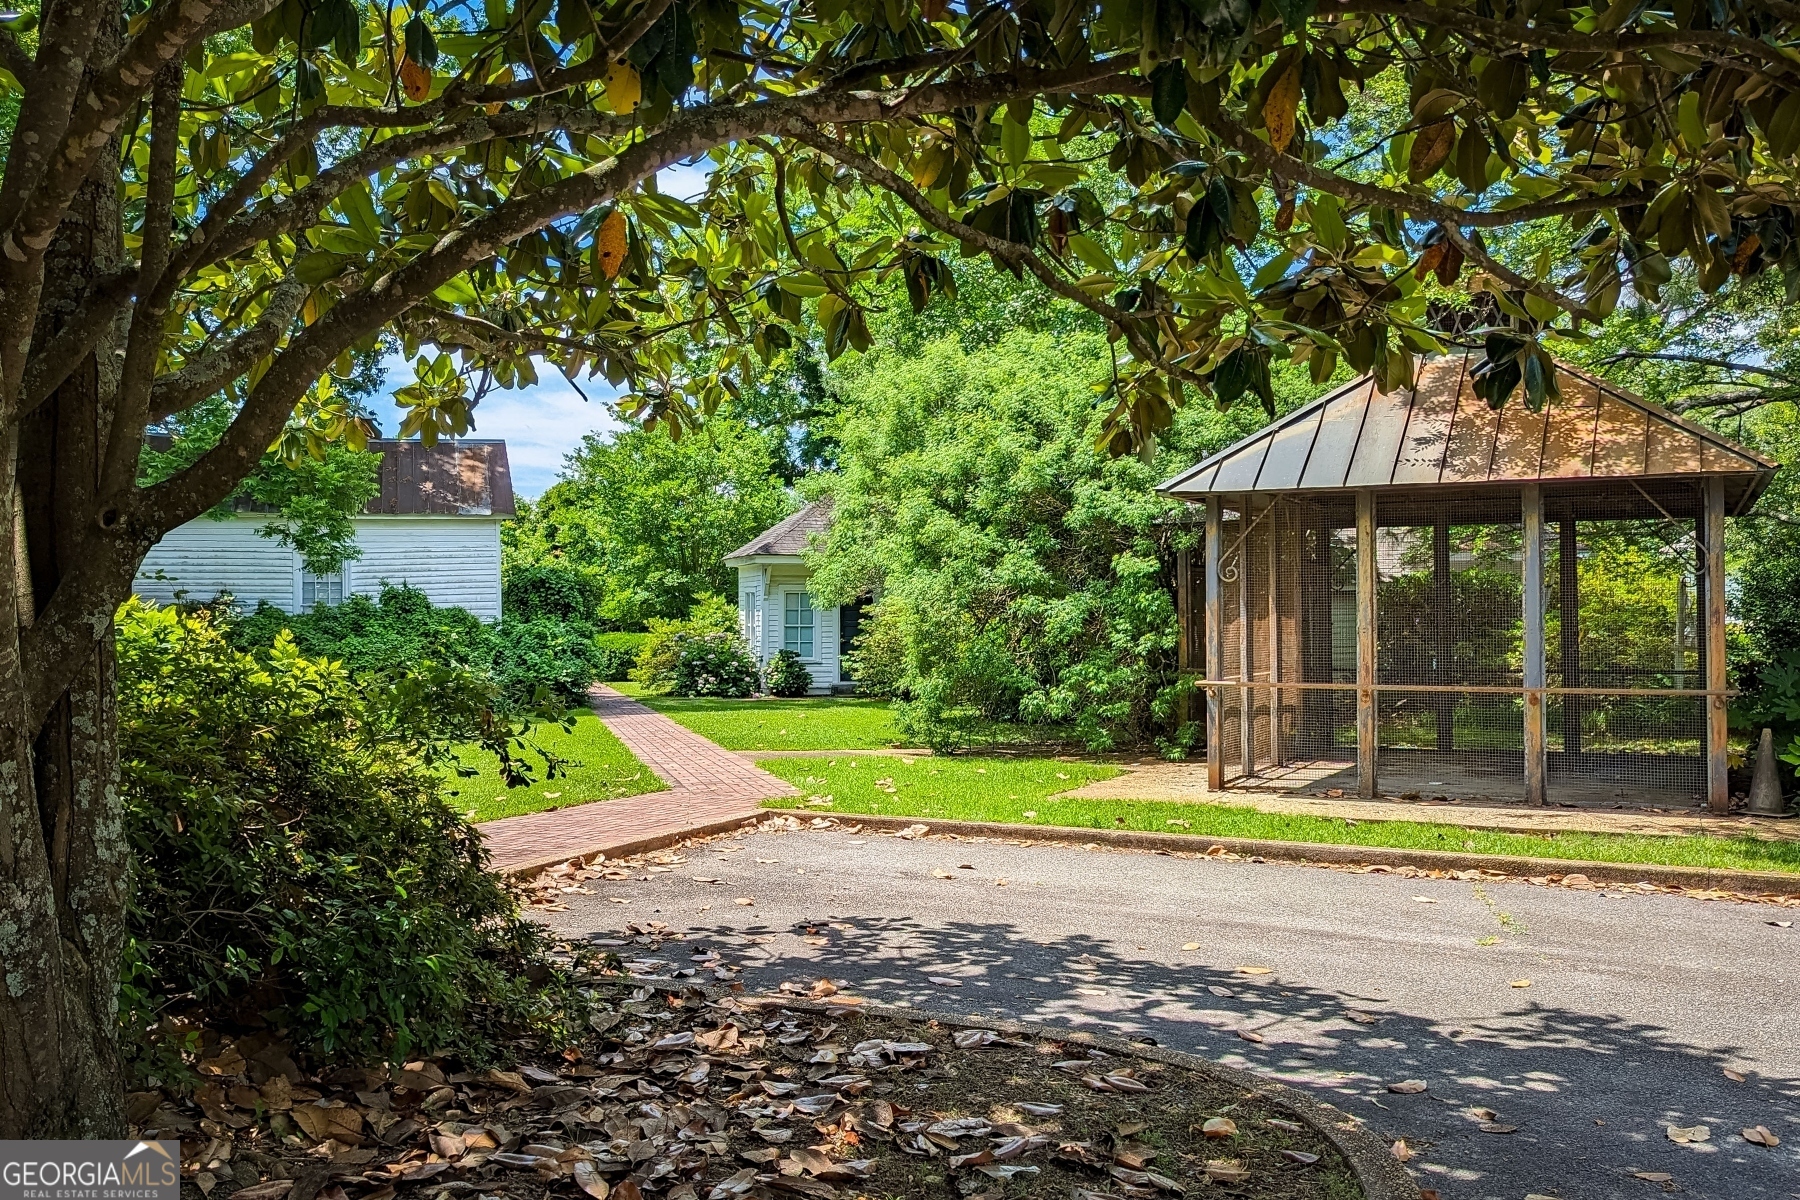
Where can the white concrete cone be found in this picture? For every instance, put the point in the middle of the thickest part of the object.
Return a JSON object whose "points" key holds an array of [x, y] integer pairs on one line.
{"points": [[1765, 781]]}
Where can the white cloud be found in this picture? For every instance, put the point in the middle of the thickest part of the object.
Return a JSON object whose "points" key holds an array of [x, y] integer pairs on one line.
{"points": [[539, 424]]}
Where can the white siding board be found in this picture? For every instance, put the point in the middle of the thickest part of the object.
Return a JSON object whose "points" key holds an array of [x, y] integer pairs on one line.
{"points": [[206, 558], [453, 560]]}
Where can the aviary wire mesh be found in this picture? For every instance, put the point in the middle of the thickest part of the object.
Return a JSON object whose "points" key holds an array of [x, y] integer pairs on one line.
{"points": [[1621, 610]]}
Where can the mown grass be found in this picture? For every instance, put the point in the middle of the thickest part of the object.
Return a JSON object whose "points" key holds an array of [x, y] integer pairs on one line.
{"points": [[598, 767], [824, 723], [1021, 792], [935, 787]]}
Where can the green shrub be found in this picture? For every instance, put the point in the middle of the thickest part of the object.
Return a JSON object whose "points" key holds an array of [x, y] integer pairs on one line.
{"points": [[713, 664], [402, 629], [396, 630], [786, 677], [659, 654], [559, 655], [551, 587], [619, 653], [877, 656], [295, 860]]}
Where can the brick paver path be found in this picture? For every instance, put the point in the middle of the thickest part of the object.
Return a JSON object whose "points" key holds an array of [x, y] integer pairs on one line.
{"points": [[710, 789]]}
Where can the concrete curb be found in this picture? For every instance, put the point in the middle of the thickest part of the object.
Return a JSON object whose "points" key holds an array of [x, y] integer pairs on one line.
{"points": [[639, 845], [1376, 1169], [1701, 878]]}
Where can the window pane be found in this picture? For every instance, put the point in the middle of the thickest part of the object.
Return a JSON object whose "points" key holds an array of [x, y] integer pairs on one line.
{"points": [[321, 589], [797, 624]]}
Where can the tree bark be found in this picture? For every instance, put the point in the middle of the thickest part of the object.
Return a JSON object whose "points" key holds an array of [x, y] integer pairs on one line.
{"points": [[63, 861]]}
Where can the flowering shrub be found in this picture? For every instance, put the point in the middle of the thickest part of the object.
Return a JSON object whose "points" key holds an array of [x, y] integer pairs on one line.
{"points": [[712, 664], [785, 676]]}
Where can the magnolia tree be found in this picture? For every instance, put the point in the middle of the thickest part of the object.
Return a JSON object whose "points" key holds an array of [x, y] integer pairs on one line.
{"points": [[225, 201]]}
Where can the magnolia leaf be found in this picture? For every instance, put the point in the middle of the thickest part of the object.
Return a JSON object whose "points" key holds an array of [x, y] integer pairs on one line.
{"points": [[1430, 150], [1281, 106], [415, 80], [623, 88], [610, 244]]}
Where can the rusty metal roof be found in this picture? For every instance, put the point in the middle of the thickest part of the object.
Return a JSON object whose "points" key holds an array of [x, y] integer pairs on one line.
{"points": [[790, 537], [1440, 433], [452, 478]]}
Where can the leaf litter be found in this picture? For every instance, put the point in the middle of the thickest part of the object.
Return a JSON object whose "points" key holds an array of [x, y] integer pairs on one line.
{"points": [[685, 1095]]}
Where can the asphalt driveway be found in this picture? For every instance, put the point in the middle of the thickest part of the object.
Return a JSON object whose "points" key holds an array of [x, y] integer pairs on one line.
{"points": [[1636, 1005]]}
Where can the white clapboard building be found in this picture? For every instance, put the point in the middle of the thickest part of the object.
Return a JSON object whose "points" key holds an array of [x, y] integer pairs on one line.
{"points": [[775, 606], [435, 526]]}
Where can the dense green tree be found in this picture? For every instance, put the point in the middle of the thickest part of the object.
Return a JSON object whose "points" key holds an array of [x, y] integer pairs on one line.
{"points": [[650, 517]]}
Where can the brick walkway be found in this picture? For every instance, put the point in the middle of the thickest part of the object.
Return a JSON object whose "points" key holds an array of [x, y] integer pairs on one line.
{"points": [[710, 790]]}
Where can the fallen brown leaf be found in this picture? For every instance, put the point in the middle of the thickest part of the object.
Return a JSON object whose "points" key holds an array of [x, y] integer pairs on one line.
{"points": [[1761, 1136]]}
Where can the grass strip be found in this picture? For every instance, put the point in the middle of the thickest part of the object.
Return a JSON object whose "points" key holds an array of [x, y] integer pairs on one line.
{"points": [[825, 723], [599, 767], [1002, 793]]}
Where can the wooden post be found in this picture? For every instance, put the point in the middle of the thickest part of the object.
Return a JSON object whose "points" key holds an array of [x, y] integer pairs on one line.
{"points": [[1443, 630], [1246, 658], [1681, 614], [1215, 651], [1274, 633], [1367, 578], [1718, 780], [1532, 599], [1568, 563], [1184, 623]]}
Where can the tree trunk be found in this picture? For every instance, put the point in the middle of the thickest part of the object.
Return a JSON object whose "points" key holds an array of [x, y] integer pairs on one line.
{"points": [[63, 860]]}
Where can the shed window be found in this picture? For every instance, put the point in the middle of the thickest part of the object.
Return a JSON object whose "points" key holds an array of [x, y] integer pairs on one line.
{"points": [[797, 624], [321, 589]]}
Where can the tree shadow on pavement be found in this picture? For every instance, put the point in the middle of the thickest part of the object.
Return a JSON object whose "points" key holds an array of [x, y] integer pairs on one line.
{"points": [[1587, 1096]]}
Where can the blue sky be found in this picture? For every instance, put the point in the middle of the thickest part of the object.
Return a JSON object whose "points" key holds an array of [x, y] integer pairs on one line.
{"points": [[541, 424]]}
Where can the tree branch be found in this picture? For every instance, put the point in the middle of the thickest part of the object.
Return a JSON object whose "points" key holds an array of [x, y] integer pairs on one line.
{"points": [[144, 340], [1287, 167], [1721, 45], [57, 359], [1543, 291], [219, 238], [181, 390], [1701, 360], [1010, 252], [14, 58]]}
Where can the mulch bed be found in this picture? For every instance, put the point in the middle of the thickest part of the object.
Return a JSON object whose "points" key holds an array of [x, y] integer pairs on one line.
{"points": [[685, 1096]]}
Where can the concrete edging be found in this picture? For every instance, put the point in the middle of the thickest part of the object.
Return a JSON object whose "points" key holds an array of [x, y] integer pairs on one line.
{"points": [[1702, 878], [641, 845], [1377, 1171]]}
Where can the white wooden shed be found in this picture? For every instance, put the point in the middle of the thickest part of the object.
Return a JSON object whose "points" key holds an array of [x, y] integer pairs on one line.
{"points": [[434, 526], [775, 603]]}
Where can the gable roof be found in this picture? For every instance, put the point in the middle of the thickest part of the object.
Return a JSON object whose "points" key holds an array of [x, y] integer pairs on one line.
{"points": [[1440, 433], [788, 538], [453, 478]]}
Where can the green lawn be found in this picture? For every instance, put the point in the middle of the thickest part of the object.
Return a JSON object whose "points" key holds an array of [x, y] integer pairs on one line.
{"points": [[825, 723], [599, 768], [1019, 791], [960, 788]]}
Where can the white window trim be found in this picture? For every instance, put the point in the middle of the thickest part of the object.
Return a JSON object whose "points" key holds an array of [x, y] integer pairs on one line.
{"points": [[300, 606], [781, 609]]}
